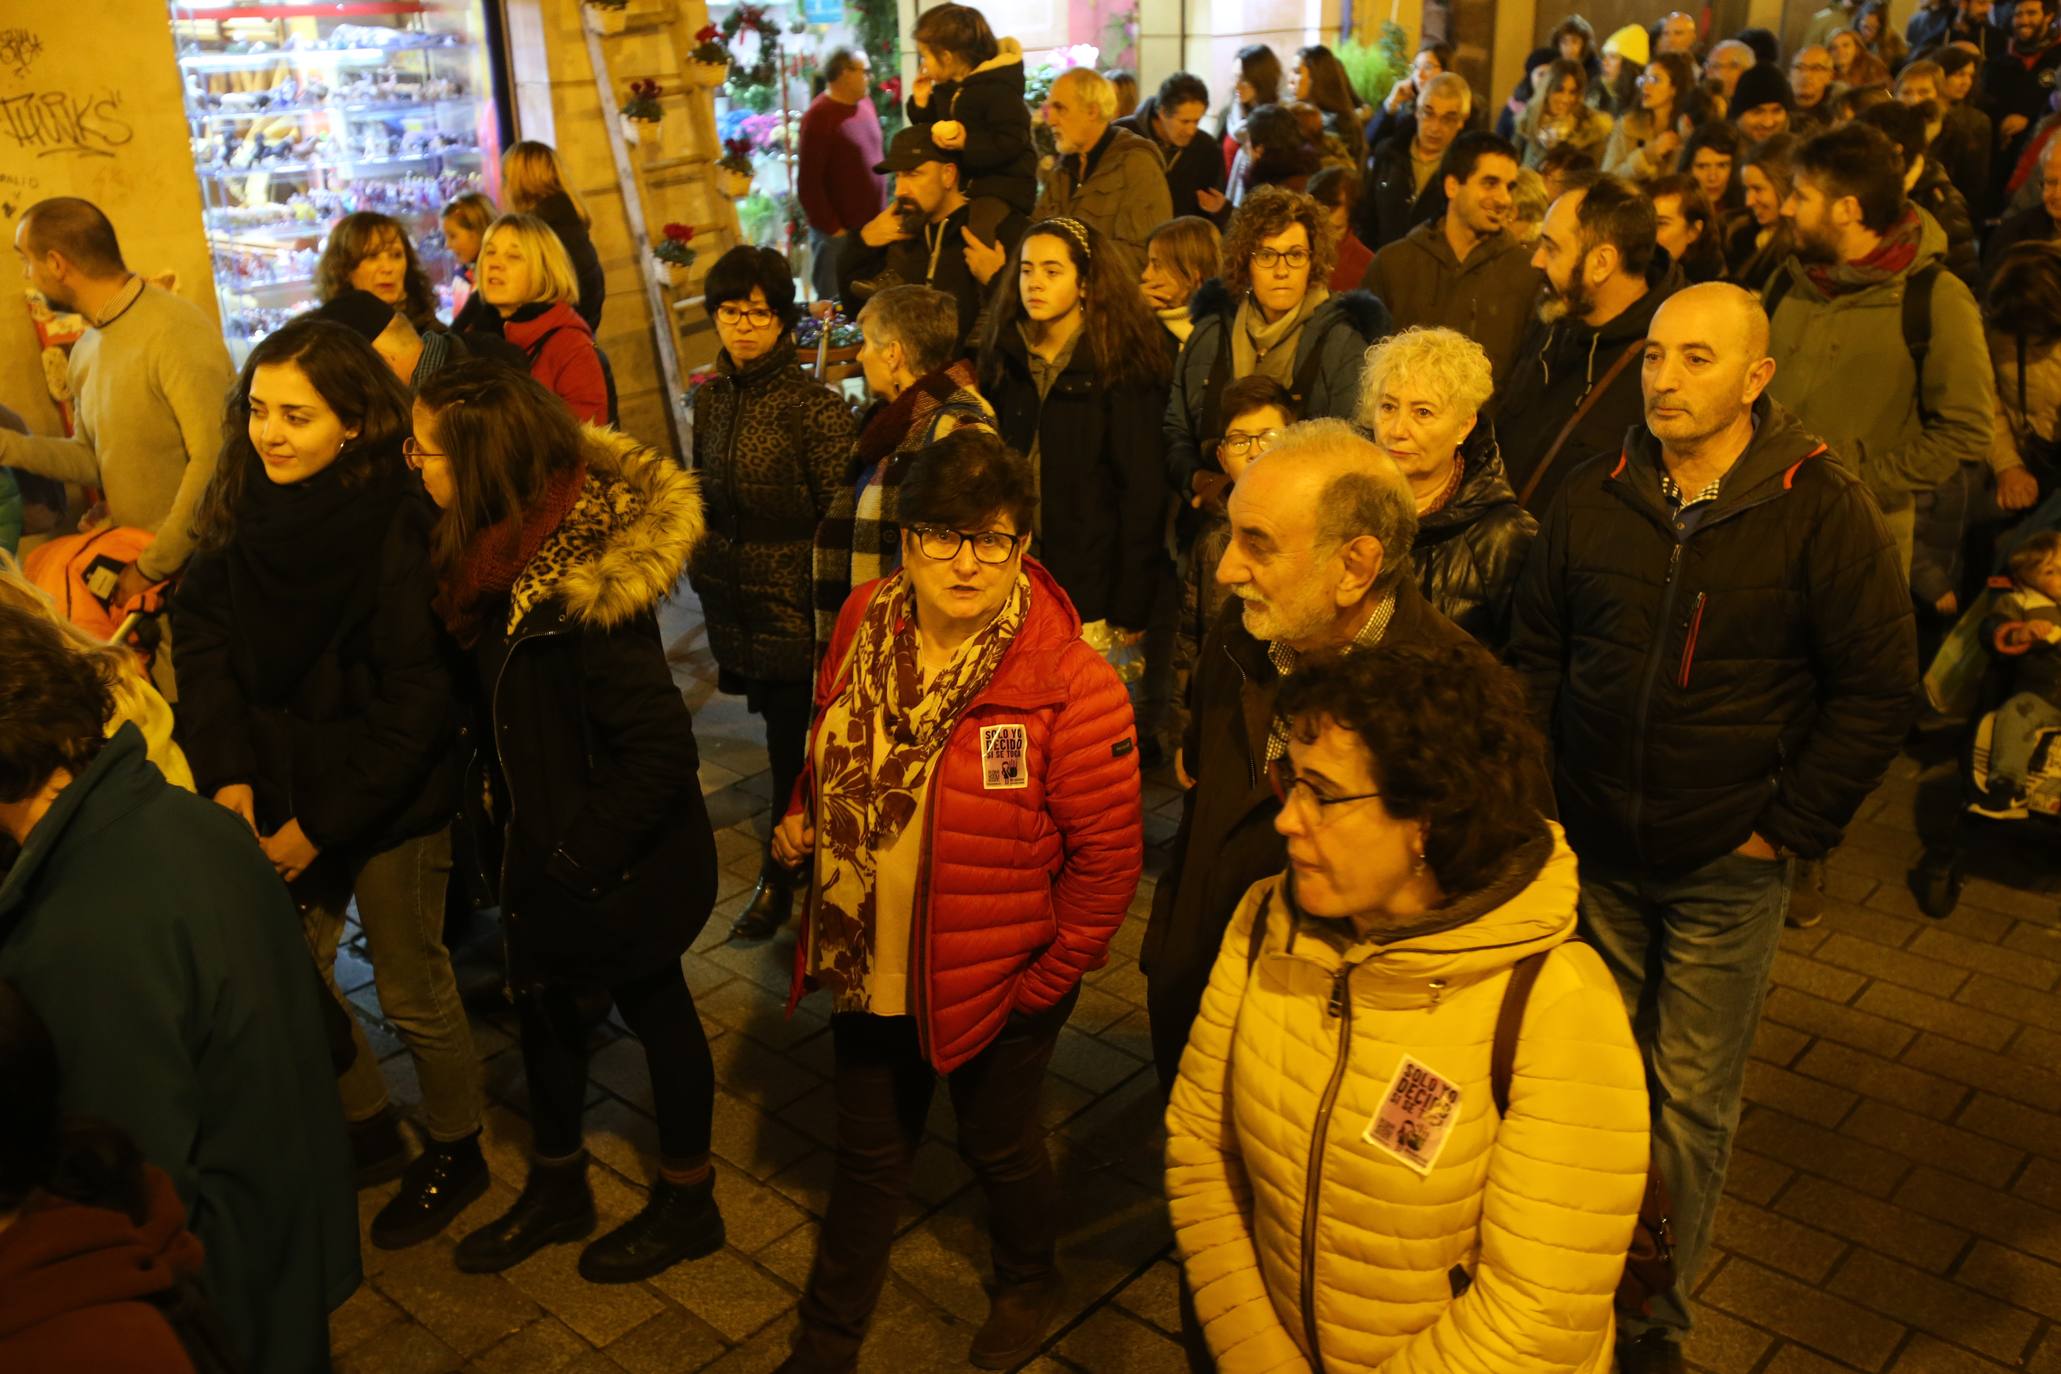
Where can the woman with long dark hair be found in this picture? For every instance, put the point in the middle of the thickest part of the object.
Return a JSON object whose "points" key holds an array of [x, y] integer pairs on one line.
{"points": [[1077, 369], [1758, 242], [555, 548], [368, 251], [1686, 228], [315, 705], [1257, 83], [1644, 142], [1711, 156], [1321, 79]]}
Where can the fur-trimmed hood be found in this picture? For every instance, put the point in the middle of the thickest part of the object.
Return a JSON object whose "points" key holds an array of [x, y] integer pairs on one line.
{"points": [[1008, 52], [625, 543]]}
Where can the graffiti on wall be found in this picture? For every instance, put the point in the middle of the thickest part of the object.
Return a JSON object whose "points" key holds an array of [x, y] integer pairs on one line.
{"points": [[19, 48], [66, 123]]}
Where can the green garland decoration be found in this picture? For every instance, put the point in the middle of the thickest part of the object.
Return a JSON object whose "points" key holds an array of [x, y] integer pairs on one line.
{"points": [[877, 26], [752, 18]]}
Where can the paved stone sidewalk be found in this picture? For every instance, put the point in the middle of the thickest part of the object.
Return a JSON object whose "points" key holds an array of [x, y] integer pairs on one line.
{"points": [[1895, 1203]]}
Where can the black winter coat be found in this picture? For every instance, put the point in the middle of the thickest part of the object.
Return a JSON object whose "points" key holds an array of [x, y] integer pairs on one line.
{"points": [[1557, 366], [1938, 197], [557, 211], [1390, 205], [362, 749], [1329, 355], [1753, 673], [609, 866], [1468, 551], [913, 263], [1227, 841], [1197, 167], [771, 447], [1000, 157], [1102, 498]]}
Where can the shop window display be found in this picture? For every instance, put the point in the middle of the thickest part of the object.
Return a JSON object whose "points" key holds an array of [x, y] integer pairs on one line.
{"points": [[302, 114]]}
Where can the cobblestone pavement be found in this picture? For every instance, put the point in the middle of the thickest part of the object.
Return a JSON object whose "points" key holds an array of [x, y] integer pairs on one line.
{"points": [[1894, 1203]]}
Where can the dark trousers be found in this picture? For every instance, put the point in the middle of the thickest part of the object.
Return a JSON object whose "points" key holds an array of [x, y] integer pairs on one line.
{"points": [[883, 1088], [660, 1009], [788, 708]]}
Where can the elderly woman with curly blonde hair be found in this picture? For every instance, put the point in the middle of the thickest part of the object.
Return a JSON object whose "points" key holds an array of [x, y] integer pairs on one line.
{"points": [[1421, 395], [1270, 314]]}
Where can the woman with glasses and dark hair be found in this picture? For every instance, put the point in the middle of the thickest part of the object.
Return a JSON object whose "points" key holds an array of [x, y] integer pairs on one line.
{"points": [[556, 546], [771, 447], [971, 825], [1352, 1185], [315, 704]]}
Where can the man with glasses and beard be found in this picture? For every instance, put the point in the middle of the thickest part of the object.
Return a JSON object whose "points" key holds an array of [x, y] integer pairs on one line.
{"points": [[1575, 389]]}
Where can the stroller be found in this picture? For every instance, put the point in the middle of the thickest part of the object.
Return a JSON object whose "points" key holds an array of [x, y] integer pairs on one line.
{"points": [[1970, 676]]}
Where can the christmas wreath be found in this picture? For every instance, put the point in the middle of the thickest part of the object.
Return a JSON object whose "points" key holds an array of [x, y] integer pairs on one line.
{"points": [[753, 19]]}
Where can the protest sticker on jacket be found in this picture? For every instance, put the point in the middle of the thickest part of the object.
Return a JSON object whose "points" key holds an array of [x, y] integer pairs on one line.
{"points": [[1416, 1116], [1002, 750]]}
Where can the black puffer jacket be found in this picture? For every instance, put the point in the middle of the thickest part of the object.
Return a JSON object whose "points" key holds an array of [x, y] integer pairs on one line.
{"points": [[1102, 499], [1468, 551], [1754, 673], [360, 747], [609, 870], [1390, 205], [771, 447]]}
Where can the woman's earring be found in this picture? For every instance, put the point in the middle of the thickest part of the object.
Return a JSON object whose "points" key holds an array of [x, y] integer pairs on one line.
{"points": [[1417, 869]]}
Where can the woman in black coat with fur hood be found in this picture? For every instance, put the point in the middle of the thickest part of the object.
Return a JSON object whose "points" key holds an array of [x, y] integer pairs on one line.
{"points": [[556, 546]]}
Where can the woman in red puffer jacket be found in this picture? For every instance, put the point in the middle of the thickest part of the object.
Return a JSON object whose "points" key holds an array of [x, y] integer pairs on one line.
{"points": [[526, 275], [971, 816]]}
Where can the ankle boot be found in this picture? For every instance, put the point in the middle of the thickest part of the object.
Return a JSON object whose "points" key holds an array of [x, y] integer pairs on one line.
{"points": [[1019, 1315], [445, 1179], [680, 1222], [555, 1206], [379, 1153], [772, 901]]}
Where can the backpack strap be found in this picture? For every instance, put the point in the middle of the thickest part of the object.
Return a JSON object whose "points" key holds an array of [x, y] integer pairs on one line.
{"points": [[1503, 1053], [1917, 325], [962, 413], [535, 350], [1581, 410]]}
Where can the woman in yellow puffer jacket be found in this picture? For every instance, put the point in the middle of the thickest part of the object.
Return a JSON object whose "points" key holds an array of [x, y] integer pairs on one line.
{"points": [[1344, 1193]]}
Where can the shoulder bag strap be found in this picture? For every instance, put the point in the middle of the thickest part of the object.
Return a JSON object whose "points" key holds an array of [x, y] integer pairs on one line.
{"points": [[1588, 403], [1503, 1053]]}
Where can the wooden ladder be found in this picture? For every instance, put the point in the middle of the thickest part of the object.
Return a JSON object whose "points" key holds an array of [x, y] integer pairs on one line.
{"points": [[657, 191]]}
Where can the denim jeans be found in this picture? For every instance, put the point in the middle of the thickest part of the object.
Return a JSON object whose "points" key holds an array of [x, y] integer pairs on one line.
{"points": [[1691, 954], [883, 1088], [2019, 722], [400, 897]]}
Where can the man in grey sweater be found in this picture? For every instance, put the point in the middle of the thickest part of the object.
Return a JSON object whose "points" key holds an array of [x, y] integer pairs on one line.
{"points": [[148, 383]]}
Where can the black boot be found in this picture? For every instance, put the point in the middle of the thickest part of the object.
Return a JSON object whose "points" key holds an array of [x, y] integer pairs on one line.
{"points": [[555, 1206], [680, 1222], [772, 901], [1019, 1315], [379, 1154], [445, 1179]]}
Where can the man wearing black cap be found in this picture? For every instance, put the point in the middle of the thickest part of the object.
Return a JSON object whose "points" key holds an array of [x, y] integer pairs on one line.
{"points": [[921, 237], [1762, 103]]}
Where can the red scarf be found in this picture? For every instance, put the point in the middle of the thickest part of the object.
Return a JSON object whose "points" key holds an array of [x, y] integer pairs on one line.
{"points": [[1891, 257], [495, 556], [909, 412]]}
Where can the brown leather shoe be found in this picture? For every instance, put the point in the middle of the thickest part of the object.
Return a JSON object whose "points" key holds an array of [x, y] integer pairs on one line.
{"points": [[1019, 1316]]}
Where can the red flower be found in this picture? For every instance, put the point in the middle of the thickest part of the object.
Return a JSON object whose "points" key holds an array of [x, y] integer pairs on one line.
{"points": [[893, 86], [707, 33], [679, 233]]}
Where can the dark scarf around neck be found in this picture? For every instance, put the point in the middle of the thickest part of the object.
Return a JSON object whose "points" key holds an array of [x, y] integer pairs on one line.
{"points": [[908, 413], [495, 556]]}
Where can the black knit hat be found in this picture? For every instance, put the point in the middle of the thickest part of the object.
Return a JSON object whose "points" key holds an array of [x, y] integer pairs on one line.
{"points": [[361, 312], [1762, 84]]}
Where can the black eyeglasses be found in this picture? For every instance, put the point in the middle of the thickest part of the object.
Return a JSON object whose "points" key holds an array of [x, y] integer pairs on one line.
{"points": [[989, 546], [1291, 790], [733, 315]]}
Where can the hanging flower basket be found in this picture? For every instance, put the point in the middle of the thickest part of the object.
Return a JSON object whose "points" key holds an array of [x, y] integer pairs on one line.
{"points": [[708, 75], [607, 19], [643, 104], [675, 254], [732, 185], [734, 169], [708, 65]]}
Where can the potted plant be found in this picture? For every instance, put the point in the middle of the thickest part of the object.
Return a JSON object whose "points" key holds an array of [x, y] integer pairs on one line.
{"points": [[709, 63], [675, 254], [642, 115], [607, 17], [734, 169]]}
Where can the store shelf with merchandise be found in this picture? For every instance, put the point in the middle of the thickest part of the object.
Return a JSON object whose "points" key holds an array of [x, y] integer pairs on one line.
{"points": [[302, 113]]}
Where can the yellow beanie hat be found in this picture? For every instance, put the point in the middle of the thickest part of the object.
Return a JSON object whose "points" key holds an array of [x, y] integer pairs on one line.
{"points": [[1630, 43]]}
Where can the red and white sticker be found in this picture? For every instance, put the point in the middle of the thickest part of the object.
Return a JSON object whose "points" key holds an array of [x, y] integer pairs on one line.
{"points": [[1417, 1116], [1002, 750]]}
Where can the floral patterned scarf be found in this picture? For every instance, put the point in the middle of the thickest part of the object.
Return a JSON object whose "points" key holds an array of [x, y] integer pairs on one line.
{"points": [[860, 809]]}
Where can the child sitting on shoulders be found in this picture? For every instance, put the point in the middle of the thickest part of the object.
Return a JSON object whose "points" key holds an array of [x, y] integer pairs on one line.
{"points": [[969, 90], [2026, 624]]}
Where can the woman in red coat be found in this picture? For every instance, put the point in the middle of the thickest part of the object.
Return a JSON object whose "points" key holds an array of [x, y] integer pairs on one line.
{"points": [[526, 275], [971, 814]]}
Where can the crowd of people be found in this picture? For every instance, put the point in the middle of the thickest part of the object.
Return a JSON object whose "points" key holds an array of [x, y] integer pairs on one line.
{"points": [[1515, 527]]}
